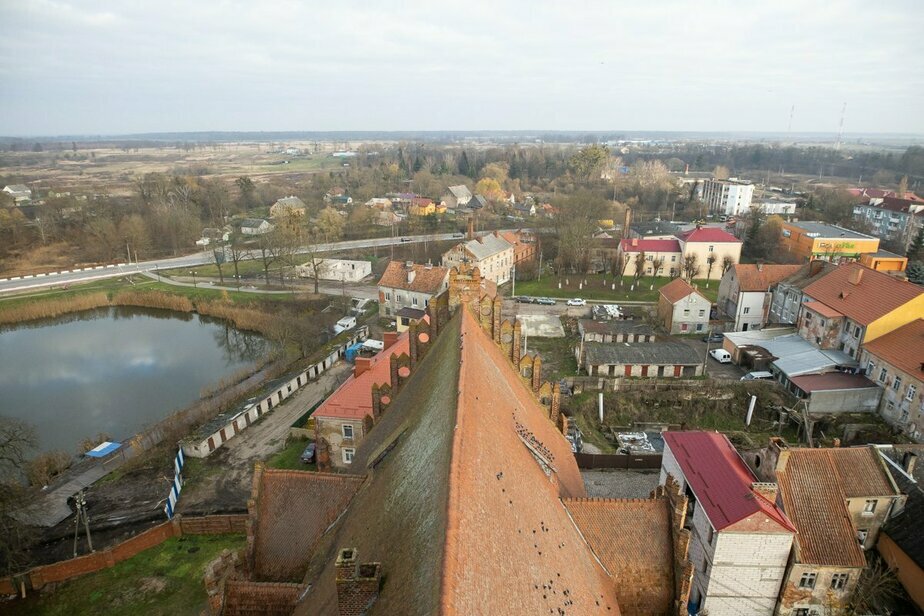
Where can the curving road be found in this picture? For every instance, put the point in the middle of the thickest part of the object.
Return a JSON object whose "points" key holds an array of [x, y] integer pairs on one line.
{"points": [[76, 276]]}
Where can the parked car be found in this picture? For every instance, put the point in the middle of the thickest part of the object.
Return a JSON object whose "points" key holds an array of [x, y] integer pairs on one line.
{"points": [[308, 454], [523, 299], [757, 375], [721, 355], [714, 338], [405, 239], [544, 301], [577, 301], [458, 235]]}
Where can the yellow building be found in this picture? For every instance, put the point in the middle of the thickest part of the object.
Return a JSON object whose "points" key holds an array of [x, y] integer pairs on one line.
{"points": [[884, 261], [808, 241], [425, 207]]}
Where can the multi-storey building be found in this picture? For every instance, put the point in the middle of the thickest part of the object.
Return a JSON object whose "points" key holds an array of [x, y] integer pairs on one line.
{"points": [[741, 540], [894, 219], [744, 293], [808, 241], [728, 197], [491, 254], [896, 362], [787, 294], [410, 285]]}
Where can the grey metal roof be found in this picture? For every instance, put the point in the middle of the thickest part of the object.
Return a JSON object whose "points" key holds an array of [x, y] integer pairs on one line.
{"points": [[461, 193], [640, 353], [814, 361], [252, 222], [616, 326], [824, 230], [487, 245]]}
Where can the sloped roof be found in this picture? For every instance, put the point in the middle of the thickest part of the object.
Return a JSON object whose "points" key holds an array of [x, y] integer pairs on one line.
{"points": [[616, 326], [427, 278], [822, 309], [290, 202], [876, 295], [293, 509], [632, 538], [677, 289], [707, 234], [647, 245], [486, 246], [752, 277], [353, 399], [807, 274], [903, 348], [253, 223], [461, 193], [459, 511], [721, 481], [906, 528], [831, 381], [640, 353], [814, 485]]}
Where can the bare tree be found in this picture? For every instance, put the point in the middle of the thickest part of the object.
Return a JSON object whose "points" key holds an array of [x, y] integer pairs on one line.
{"points": [[236, 250], [639, 260], [656, 265], [727, 263], [17, 439], [710, 263], [691, 266]]}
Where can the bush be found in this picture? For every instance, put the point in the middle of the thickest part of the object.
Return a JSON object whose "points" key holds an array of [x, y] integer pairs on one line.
{"points": [[45, 467]]}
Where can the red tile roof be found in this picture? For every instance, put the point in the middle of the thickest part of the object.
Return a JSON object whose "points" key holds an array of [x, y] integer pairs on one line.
{"points": [[721, 481], [353, 399], [903, 348], [677, 289], [823, 310], [650, 245], [876, 295], [427, 278], [632, 538], [753, 277], [814, 485], [831, 381], [707, 234]]}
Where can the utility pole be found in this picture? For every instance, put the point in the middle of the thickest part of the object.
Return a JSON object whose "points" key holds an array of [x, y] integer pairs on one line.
{"points": [[840, 130], [540, 267], [81, 503]]}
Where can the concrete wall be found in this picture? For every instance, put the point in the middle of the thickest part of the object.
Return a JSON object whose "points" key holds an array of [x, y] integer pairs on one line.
{"points": [[822, 597], [393, 300], [870, 523], [823, 332], [331, 428], [845, 401], [747, 574], [894, 406]]}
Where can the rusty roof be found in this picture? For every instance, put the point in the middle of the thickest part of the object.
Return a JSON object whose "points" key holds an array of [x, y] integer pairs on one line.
{"points": [[866, 299], [427, 278], [814, 485], [463, 508], [822, 309], [677, 289], [752, 277], [903, 348], [632, 538]]}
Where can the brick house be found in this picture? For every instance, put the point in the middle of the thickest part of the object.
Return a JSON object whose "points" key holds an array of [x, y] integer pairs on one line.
{"points": [[741, 540], [525, 246], [745, 293], [682, 309], [896, 362], [837, 499], [853, 305], [491, 254], [409, 285]]}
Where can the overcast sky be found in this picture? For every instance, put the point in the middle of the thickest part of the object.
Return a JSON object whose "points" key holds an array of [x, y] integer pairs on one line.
{"points": [[109, 67]]}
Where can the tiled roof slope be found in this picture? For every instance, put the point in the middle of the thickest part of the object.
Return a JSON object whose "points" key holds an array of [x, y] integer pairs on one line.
{"points": [[808, 273], [650, 245], [294, 509], [721, 481], [427, 278], [677, 289], [903, 348], [459, 512], [353, 399], [707, 234], [754, 278], [632, 538], [814, 486], [877, 294]]}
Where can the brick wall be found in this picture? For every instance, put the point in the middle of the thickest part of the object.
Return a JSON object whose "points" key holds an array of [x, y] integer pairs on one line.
{"points": [[265, 598], [214, 524]]}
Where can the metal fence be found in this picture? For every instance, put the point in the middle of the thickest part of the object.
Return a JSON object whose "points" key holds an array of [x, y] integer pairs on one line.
{"points": [[618, 461]]}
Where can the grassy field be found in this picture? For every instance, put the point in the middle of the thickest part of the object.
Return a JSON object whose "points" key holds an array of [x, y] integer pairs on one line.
{"points": [[290, 457], [557, 356], [166, 579], [595, 289]]}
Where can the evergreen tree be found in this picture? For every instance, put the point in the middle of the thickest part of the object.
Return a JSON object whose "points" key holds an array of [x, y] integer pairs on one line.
{"points": [[916, 248], [465, 167]]}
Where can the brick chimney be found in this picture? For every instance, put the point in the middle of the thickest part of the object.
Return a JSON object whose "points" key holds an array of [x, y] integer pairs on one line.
{"points": [[357, 584], [766, 489], [471, 227], [635, 241], [389, 338], [555, 409], [856, 276], [362, 364], [815, 267]]}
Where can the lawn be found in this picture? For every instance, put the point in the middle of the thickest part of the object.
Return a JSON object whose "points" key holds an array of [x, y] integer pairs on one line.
{"points": [[166, 579], [572, 286], [557, 356], [290, 457]]}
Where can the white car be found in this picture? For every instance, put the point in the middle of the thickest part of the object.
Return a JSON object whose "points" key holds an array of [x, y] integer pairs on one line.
{"points": [[721, 355], [577, 301]]}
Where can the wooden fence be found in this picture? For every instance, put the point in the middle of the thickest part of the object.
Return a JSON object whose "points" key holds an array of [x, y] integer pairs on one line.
{"points": [[37, 577], [618, 461]]}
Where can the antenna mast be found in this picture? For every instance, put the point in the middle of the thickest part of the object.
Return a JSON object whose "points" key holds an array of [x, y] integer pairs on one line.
{"points": [[840, 131]]}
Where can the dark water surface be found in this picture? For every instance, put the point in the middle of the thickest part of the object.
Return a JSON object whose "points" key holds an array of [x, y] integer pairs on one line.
{"points": [[114, 370]]}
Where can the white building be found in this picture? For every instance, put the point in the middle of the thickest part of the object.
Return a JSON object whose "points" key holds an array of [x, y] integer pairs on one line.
{"points": [[745, 293], [491, 254], [769, 207], [339, 270], [741, 540], [728, 197]]}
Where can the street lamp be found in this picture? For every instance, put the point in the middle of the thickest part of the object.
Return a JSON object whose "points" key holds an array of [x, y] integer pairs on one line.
{"points": [[194, 279]]}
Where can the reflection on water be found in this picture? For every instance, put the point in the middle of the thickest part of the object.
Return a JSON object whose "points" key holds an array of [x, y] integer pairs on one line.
{"points": [[114, 370]]}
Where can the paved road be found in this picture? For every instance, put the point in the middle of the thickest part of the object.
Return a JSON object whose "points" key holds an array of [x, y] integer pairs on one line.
{"points": [[199, 258]]}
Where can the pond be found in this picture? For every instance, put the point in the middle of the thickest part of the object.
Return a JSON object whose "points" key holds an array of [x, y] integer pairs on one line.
{"points": [[114, 370]]}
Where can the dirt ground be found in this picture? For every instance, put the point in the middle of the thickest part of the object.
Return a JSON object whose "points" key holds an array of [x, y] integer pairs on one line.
{"points": [[619, 483]]}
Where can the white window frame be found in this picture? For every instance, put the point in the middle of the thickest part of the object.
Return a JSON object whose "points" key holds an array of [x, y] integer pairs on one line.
{"points": [[839, 581], [897, 383], [808, 580], [912, 390], [348, 453], [344, 428], [869, 507]]}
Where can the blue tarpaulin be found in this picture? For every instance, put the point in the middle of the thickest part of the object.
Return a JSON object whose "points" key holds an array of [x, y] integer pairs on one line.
{"points": [[103, 449]]}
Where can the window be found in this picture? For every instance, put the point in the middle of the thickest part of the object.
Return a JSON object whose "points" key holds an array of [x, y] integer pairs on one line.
{"points": [[686, 312], [702, 313], [856, 332], [807, 580], [683, 327], [347, 430], [869, 508], [839, 581], [699, 327], [348, 453], [882, 375], [911, 391], [801, 611], [388, 296], [822, 322], [747, 309], [673, 259], [897, 383], [861, 535], [712, 249], [870, 366], [414, 301], [710, 535]]}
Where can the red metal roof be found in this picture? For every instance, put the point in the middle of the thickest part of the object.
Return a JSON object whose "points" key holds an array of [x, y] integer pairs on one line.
{"points": [[831, 381], [707, 234], [720, 479], [650, 245]]}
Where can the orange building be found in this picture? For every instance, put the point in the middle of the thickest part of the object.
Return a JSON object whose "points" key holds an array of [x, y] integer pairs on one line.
{"points": [[808, 241], [884, 261]]}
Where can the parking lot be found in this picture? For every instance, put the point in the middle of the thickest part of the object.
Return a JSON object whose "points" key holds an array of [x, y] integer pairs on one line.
{"points": [[714, 368]]}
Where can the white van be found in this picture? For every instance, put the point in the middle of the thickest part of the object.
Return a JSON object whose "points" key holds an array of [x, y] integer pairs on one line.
{"points": [[757, 375], [344, 324], [721, 355]]}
